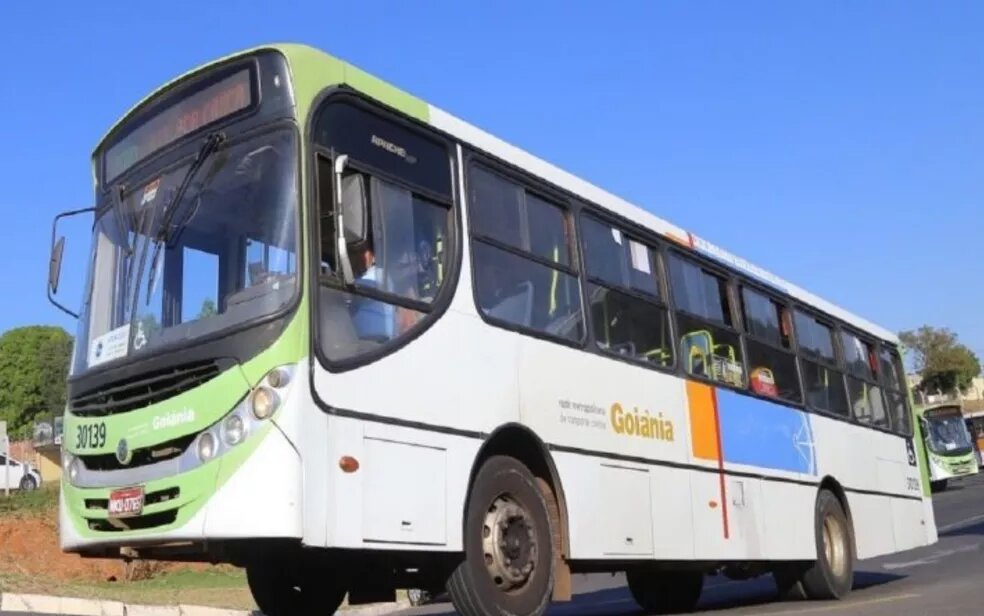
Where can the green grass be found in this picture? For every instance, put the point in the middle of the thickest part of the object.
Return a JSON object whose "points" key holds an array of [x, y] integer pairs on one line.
{"points": [[219, 588], [42, 500], [225, 577], [225, 588]]}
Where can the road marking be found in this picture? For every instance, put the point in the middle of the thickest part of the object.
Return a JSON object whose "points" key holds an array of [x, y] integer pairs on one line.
{"points": [[970, 520], [846, 606], [932, 558]]}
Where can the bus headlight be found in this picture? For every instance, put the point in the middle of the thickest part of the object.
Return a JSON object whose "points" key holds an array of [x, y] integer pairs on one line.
{"points": [[206, 446], [235, 430], [74, 465], [278, 378], [263, 402]]}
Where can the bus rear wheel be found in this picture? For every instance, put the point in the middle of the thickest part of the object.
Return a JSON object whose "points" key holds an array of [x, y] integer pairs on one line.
{"points": [[831, 575], [665, 592], [288, 587], [509, 560]]}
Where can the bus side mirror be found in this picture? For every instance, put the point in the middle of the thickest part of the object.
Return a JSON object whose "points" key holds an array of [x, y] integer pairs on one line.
{"points": [[54, 265], [55, 259], [351, 215]]}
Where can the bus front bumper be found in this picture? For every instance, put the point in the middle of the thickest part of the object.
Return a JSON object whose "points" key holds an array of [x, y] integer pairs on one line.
{"points": [[253, 491]]}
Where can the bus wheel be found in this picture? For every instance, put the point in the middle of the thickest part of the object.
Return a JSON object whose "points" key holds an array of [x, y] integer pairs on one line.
{"points": [[665, 592], [282, 588], [831, 575], [938, 486], [509, 560]]}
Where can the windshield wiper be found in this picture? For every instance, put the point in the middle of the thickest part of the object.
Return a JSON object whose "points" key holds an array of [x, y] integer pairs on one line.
{"points": [[164, 231], [118, 211]]}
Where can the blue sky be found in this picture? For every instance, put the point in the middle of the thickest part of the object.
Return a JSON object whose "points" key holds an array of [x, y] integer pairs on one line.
{"points": [[839, 145]]}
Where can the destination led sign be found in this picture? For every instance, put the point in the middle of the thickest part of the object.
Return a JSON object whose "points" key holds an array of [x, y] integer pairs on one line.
{"points": [[204, 107]]}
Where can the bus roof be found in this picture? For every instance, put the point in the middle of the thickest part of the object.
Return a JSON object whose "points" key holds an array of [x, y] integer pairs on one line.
{"points": [[330, 69]]}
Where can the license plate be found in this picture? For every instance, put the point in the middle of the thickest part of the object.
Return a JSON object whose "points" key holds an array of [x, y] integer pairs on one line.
{"points": [[126, 502]]}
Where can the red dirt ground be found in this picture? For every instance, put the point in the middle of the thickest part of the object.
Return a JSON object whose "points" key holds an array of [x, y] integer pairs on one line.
{"points": [[29, 546]]}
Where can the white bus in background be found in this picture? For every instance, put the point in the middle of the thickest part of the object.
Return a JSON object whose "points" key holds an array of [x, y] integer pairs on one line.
{"points": [[370, 346]]}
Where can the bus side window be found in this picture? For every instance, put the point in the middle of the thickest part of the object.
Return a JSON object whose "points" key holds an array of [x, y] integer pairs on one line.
{"points": [[767, 341], [627, 312], [522, 259], [824, 383], [709, 345], [893, 384], [864, 394]]}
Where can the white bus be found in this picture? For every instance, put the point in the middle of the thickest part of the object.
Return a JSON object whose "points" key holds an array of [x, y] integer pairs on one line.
{"points": [[352, 343]]}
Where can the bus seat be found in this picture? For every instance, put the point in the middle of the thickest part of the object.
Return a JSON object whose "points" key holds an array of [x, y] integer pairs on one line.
{"points": [[763, 382], [659, 355], [697, 347]]}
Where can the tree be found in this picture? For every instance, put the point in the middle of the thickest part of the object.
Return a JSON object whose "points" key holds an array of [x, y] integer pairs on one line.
{"points": [[33, 369], [208, 309], [943, 363]]}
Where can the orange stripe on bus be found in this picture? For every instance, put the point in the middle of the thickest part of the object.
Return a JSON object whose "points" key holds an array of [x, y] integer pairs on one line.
{"points": [[683, 241], [703, 421]]}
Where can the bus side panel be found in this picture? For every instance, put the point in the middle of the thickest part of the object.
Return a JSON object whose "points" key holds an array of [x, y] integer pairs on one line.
{"points": [[608, 518], [908, 516], [408, 493], [442, 390], [460, 374], [787, 509], [881, 466], [621, 421], [874, 524]]}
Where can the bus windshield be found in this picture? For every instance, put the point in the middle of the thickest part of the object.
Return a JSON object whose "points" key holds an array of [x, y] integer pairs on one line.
{"points": [[228, 256], [948, 435]]}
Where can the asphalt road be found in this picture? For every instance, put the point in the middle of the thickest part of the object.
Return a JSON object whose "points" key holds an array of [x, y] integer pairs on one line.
{"points": [[940, 579], [944, 578]]}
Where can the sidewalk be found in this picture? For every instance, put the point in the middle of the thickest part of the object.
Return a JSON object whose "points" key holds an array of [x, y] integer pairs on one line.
{"points": [[43, 604]]}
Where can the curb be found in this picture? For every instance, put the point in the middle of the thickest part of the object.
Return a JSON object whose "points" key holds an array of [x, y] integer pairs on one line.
{"points": [[69, 606]]}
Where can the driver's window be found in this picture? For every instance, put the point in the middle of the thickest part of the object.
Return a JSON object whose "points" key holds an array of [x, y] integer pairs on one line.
{"points": [[398, 261]]}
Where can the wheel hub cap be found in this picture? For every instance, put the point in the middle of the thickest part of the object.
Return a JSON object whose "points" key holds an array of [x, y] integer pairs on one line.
{"points": [[509, 544], [835, 545]]}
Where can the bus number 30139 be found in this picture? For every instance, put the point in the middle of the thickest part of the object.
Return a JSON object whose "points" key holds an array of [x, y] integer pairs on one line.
{"points": [[90, 436]]}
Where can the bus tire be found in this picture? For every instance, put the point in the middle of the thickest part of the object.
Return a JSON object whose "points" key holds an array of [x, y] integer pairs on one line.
{"points": [[665, 592], [287, 588], [938, 486], [509, 548], [831, 575]]}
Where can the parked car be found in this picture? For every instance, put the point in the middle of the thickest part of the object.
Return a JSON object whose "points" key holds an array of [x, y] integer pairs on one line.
{"points": [[22, 476]]}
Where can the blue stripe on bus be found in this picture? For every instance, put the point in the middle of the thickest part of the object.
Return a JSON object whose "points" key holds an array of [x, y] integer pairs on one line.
{"points": [[756, 432]]}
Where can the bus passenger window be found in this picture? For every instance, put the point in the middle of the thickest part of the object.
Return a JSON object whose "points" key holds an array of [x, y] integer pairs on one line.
{"points": [[698, 291], [771, 362], [866, 403], [824, 388], [709, 347], [865, 396], [628, 315], [893, 384], [824, 383], [521, 254], [628, 326]]}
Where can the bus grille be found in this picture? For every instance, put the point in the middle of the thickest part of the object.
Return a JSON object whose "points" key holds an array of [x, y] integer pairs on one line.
{"points": [[140, 522], [147, 389], [141, 457]]}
